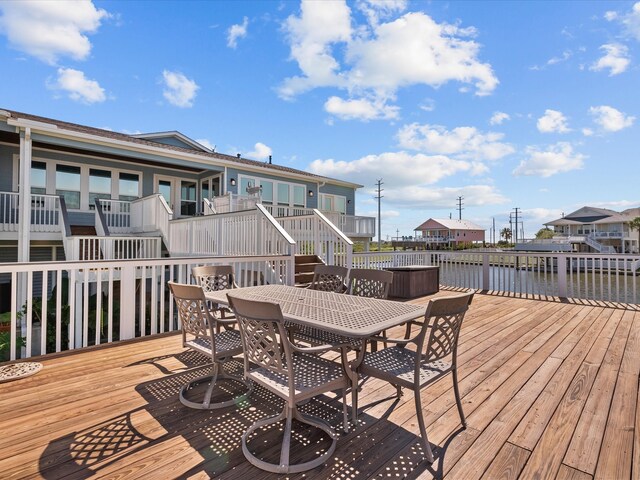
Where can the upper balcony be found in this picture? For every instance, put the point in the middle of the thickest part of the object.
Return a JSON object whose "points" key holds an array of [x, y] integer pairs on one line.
{"points": [[45, 213]]}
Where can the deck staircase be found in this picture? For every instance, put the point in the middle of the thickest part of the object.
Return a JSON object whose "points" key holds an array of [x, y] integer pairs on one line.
{"points": [[89, 249], [304, 267]]}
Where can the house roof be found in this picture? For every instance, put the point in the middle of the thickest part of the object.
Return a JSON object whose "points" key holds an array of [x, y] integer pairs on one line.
{"points": [[594, 215], [173, 134], [451, 224], [48, 124]]}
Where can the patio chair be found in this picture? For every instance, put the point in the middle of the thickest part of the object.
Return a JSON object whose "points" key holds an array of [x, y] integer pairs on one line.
{"points": [[292, 373], [213, 278], [326, 278], [435, 355], [365, 282], [330, 278], [198, 326], [370, 283]]}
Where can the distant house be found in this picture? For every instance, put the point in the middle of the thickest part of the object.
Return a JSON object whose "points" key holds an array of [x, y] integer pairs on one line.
{"points": [[591, 229], [451, 232]]}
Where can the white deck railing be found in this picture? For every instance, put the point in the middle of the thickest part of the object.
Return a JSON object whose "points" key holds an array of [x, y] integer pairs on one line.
{"points": [[249, 232], [316, 235], [353, 225], [151, 214], [583, 276], [232, 202], [111, 247], [117, 215], [45, 212], [91, 303]]}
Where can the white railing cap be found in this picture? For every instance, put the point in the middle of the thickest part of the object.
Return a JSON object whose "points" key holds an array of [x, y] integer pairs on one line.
{"points": [[346, 239], [275, 224]]}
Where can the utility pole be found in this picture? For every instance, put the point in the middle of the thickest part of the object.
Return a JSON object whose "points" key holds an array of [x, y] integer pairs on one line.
{"points": [[379, 197], [397, 234], [510, 226], [460, 207], [516, 209], [493, 231]]}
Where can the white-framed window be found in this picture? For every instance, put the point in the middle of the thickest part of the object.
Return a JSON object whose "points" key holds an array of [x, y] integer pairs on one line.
{"points": [[275, 192], [333, 203], [80, 184]]}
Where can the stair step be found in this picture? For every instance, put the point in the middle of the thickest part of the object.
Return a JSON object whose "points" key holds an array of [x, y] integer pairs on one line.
{"points": [[85, 230], [307, 259], [306, 267]]}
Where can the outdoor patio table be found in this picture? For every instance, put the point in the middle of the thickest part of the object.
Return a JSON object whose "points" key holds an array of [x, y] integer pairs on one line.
{"points": [[345, 315]]}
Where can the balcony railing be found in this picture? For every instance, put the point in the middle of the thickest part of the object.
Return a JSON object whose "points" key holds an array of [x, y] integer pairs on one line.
{"points": [[45, 212], [353, 225]]}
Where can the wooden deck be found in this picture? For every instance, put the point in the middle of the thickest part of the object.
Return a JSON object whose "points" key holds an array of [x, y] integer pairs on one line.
{"points": [[550, 390]]}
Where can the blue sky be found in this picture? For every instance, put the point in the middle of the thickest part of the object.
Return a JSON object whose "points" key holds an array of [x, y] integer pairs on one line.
{"points": [[510, 104]]}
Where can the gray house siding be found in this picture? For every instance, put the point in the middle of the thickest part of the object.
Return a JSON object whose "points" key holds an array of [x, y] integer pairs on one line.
{"points": [[350, 193], [312, 202], [6, 167]]}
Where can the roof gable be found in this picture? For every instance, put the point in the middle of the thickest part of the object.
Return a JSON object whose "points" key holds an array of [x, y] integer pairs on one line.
{"points": [[173, 138]]}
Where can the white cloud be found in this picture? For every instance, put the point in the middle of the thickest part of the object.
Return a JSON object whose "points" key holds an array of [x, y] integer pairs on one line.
{"points": [[557, 158], [610, 119], [49, 30], [206, 143], [260, 152], [566, 55], [616, 59], [382, 57], [428, 105], [375, 10], [398, 168], [78, 87], [360, 109], [237, 31], [587, 132], [498, 118], [464, 142], [179, 90], [630, 21], [413, 50], [553, 121]]}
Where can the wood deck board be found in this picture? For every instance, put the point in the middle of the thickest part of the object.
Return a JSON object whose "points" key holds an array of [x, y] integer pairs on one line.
{"points": [[549, 389]]}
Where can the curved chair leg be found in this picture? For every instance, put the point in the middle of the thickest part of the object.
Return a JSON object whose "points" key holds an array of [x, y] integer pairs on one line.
{"points": [[423, 430], [218, 374], [456, 390], [288, 414]]}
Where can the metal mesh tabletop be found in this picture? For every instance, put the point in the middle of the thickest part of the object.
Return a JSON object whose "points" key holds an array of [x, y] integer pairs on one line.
{"points": [[346, 315]]}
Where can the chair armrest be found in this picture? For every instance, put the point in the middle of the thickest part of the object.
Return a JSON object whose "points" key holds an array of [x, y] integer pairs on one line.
{"points": [[318, 349]]}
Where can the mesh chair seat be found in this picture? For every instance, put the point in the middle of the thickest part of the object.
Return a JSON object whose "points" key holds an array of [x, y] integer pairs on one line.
{"points": [[310, 372], [398, 363], [228, 344]]}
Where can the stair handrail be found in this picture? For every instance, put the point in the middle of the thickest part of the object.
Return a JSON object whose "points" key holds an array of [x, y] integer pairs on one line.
{"points": [[207, 207], [342, 239], [65, 228], [102, 229]]}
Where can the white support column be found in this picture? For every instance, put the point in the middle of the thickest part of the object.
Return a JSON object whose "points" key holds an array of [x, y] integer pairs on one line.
{"points": [[24, 196], [24, 220]]}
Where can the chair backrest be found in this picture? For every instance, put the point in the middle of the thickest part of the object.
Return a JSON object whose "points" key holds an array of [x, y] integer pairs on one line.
{"points": [[364, 282], [330, 278], [214, 277], [195, 317], [264, 338], [443, 321]]}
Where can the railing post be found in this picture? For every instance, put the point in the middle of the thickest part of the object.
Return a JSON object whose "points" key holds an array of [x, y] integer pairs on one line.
{"points": [[127, 301], [485, 271], [562, 276], [259, 233]]}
